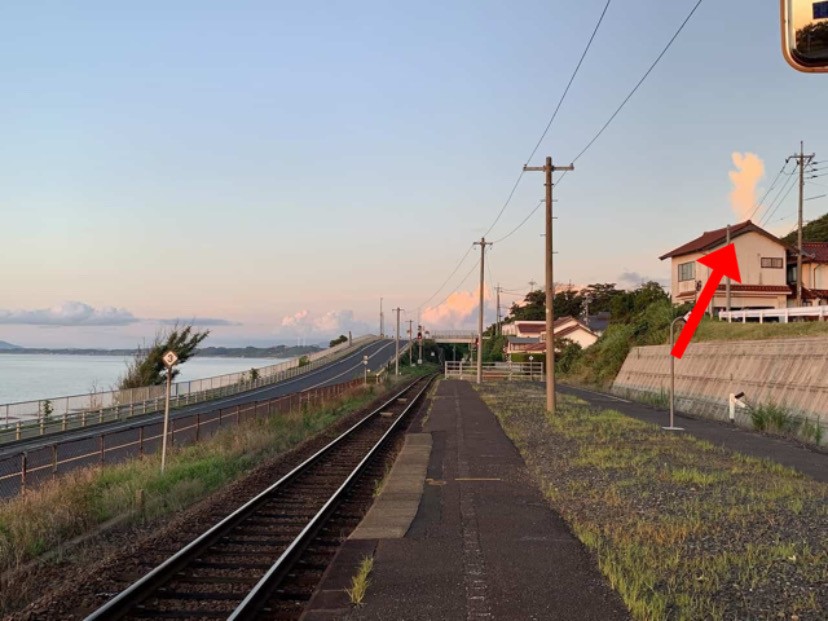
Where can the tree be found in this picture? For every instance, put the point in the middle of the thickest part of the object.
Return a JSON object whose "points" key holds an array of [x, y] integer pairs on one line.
{"points": [[602, 295], [534, 308], [342, 339], [568, 303], [147, 367]]}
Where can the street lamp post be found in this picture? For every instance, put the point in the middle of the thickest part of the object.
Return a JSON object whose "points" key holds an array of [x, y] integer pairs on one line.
{"points": [[672, 427]]}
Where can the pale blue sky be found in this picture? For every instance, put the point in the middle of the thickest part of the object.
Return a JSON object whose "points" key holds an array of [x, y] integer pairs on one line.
{"points": [[248, 161]]}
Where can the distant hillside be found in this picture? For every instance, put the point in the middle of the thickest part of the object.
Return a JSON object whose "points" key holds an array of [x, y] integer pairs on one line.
{"points": [[814, 231], [5, 345]]}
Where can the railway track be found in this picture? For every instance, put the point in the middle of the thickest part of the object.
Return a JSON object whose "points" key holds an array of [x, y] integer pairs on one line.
{"points": [[263, 561]]}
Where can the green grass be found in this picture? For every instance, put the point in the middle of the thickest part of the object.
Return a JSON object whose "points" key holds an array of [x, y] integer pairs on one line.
{"points": [[47, 517], [710, 330], [680, 528]]}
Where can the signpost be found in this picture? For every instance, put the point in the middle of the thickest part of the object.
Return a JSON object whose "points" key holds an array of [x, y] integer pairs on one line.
{"points": [[170, 358]]}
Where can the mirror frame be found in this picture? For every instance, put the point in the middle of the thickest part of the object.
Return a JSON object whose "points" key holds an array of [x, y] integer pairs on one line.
{"points": [[786, 47]]}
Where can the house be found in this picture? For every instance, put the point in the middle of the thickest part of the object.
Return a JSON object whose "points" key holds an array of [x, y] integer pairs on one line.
{"points": [[529, 338], [767, 266]]}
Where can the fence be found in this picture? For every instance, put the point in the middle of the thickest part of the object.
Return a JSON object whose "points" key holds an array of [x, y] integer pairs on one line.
{"points": [[27, 469], [34, 418], [780, 315], [531, 371]]}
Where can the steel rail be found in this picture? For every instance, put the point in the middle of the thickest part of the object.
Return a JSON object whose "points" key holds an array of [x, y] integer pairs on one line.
{"points": [[258, 596], [123, 603]]}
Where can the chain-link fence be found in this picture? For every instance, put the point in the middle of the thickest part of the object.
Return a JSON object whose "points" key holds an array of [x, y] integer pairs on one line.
{"points": [[27, 469], [28, 419]]}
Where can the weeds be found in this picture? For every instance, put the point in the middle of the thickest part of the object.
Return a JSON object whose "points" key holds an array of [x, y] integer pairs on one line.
{"points": [[680, 528], [74, 504], [360, 582]]}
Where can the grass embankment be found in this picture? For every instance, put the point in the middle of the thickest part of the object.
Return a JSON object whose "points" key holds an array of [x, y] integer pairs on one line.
{"points": [[599, 364], [75, 504], [680, 528]]}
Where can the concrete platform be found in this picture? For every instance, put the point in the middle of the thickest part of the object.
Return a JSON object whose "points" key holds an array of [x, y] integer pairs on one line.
{"points": [[484, 543]]}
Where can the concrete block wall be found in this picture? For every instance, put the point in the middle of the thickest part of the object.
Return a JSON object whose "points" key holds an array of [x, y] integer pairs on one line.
{"points": [[792, 373]]}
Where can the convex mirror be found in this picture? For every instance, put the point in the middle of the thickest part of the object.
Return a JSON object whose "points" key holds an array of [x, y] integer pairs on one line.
{"points": [[805, 34]]}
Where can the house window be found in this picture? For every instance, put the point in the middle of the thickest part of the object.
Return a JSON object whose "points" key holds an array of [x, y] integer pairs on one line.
{"points": [[792, 274], [773, 262], [687, 271]]}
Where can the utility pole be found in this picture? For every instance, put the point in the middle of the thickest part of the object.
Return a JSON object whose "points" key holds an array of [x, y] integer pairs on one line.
{"points": [[548, 169], [420, 341], [801, 160], [498, 289], [382, 327], [727, 282], [410, 346], [482, 243], [397, 342]]}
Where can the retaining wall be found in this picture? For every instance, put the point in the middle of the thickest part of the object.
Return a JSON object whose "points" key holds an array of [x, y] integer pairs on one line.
{"points": [[792, 373]]}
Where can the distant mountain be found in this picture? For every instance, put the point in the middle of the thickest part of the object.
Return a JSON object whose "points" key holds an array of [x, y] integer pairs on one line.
{"points": [[4, 345], [814, 231]]}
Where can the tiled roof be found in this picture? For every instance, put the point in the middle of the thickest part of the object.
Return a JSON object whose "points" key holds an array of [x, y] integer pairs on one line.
{"points": [[711, 239], [818, 250], [530, 328], [812, 294]]}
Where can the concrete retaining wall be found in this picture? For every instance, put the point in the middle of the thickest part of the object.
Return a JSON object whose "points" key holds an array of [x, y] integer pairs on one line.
{"points": [[792, 373]]}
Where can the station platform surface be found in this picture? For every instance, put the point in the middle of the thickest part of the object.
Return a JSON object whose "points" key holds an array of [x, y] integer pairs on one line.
{"points": [[484, 543]]}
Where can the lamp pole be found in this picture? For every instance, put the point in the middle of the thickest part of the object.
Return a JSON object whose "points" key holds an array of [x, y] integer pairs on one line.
{"points": [[672, 427]]}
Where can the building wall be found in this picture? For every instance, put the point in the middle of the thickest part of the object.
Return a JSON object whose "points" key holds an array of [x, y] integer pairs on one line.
{"points": [[750, 249], [792, 373]]}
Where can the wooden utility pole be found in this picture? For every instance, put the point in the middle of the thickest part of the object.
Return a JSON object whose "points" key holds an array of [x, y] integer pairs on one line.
{"points": [[727, 282], [482, 243], [397, 342], [801, 161], [548, 169], [499, 289]]}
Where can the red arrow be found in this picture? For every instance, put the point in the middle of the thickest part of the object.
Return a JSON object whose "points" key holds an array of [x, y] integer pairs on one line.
{"points": [[723, 262]]}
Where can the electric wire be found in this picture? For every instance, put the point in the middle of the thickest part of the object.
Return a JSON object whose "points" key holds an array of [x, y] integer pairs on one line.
{"points": [[453, 272], [519, 226], [571, 79], [617, 111], [552, 119], [770, 214], [772, 185], [637, 86], [460, 284]]}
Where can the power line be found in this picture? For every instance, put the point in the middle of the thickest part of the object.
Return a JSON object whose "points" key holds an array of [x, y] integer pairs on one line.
{"points": [[637, 86], [551, 120], [453, 272], [519, 226], [770, 214], [773, 183], [571, 79], [462, 282]]}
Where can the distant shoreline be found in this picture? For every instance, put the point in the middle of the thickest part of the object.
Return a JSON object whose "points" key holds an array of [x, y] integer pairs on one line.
{"points": [[279, 351]]}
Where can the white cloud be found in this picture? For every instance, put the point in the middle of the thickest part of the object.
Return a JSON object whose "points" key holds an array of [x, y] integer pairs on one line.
{"points": [[332, 323], [69, 314], [460, 310], [749, 170]]}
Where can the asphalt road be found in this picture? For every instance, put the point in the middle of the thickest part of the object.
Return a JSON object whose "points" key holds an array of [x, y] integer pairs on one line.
{"points": [[350, 367]]}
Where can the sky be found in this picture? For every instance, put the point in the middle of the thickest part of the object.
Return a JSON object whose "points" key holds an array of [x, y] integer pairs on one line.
{"points": [[270, 170]]}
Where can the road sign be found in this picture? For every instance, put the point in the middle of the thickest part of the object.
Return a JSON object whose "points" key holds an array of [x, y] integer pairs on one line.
{"points": [[170, 358]]}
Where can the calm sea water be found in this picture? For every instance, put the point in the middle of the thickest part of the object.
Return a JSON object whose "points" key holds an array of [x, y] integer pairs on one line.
{"points": [[25, 377]]}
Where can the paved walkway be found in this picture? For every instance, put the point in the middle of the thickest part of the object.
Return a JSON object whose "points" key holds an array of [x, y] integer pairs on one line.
{"points": [[810, 462], [484, 543]]}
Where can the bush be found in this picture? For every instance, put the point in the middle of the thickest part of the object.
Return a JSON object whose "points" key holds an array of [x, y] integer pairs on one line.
{"points": [[304, 361]]}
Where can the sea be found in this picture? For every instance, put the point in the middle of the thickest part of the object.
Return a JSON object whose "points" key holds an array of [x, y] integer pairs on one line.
{"points": [[29, 377]]}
